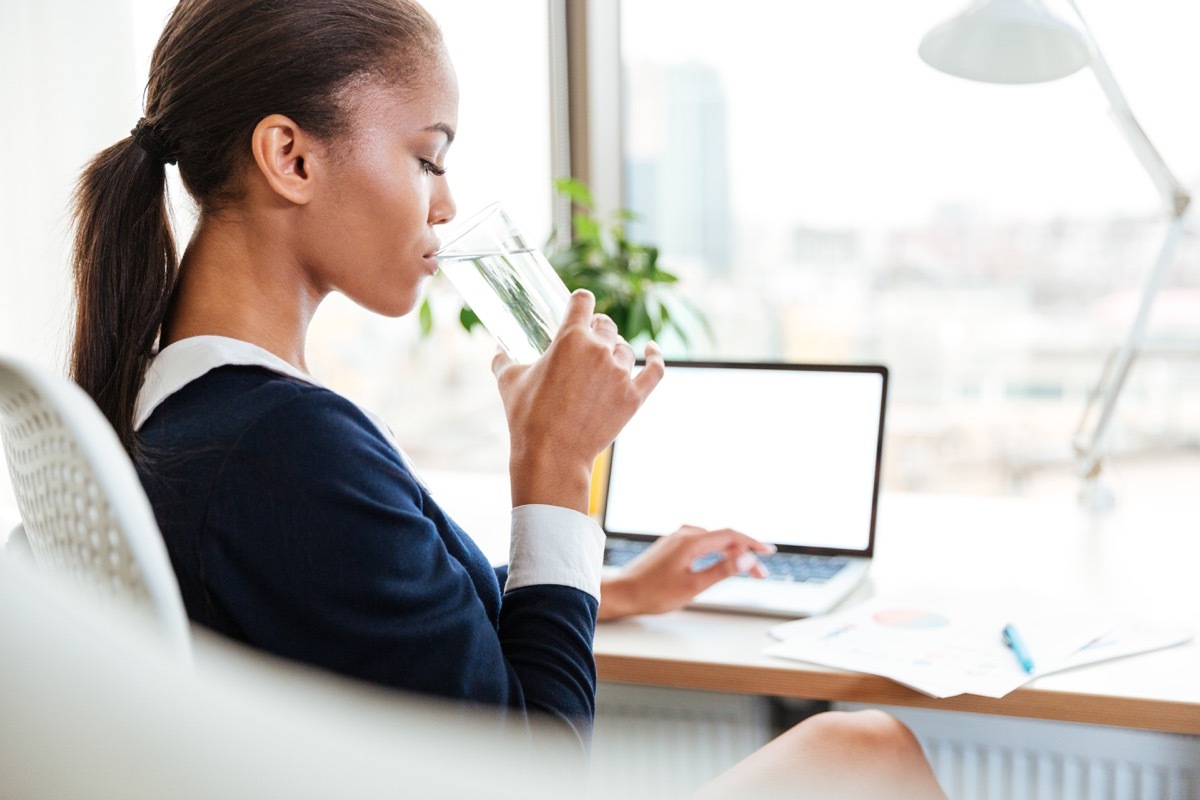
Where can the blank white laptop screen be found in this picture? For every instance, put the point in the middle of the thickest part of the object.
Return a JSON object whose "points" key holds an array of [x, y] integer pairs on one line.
{"points": [[788, 455]]}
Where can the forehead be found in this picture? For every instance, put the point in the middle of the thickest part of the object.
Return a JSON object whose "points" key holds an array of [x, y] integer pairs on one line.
{"points": [[429, 97]]}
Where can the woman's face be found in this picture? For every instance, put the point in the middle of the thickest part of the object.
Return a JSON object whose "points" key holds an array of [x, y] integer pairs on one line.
{"points": [[371, 231]]}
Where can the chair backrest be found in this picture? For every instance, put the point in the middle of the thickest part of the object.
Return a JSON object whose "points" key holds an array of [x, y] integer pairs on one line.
{"points": [[90, 708], [83, 508]]}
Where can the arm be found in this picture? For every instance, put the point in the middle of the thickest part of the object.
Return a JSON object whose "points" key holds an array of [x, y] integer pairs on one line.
{"points": [[662, 578], [324, 549]]}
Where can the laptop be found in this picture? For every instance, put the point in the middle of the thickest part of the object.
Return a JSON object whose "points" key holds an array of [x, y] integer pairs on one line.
{"points": [[787, 453]]}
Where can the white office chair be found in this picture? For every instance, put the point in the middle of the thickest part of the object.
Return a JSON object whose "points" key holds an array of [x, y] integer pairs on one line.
{"points": [[91, 706], [84, 512]]}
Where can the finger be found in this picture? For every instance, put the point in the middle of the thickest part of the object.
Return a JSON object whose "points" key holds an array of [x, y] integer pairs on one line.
{"points": [[624, 355], [749, 564], [717, 572], [652, 373], [579, 308], [750, 543], [725, 539], [605, 328]]}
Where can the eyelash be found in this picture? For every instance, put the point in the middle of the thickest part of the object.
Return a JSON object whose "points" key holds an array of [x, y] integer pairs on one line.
{"points": [[432, 169]]}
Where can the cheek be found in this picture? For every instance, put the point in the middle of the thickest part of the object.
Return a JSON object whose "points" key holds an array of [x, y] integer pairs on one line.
{"points": [[379, 212], [400, 203]]}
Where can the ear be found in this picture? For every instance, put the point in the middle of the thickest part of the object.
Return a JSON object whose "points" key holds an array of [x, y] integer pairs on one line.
{"points": [[286, 157]]}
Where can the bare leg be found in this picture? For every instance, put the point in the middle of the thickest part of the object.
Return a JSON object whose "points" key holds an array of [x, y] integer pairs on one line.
{"points": [[842, 755]]}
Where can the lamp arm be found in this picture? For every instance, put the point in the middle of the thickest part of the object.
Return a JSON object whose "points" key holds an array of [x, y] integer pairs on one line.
{"points": [[1090, 448], [1164, 179]]}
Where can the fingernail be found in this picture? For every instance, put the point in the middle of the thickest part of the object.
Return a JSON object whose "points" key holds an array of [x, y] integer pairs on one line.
{"points": [[746, 562]]}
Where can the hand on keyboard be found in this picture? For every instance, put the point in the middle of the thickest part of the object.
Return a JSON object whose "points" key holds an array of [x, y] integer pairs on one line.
{"points": [[675, 568]]}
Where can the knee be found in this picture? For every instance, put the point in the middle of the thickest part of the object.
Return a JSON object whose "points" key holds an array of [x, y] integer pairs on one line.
{"points": [[870, 731]]}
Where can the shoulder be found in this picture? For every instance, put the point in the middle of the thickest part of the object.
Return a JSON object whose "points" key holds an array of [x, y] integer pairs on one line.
{"points": [[291, 419], [253, 414], [234, 399]]}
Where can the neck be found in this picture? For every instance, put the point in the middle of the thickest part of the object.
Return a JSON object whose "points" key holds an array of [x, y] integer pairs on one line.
{"points": [[234, 282]]}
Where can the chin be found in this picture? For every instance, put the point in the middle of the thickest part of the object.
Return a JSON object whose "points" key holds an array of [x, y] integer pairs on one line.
{"points": [[389, 306], [398, 309]]}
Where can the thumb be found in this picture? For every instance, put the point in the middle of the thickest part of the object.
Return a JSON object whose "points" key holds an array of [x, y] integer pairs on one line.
{"points": [[501, 361], [725, 568]]}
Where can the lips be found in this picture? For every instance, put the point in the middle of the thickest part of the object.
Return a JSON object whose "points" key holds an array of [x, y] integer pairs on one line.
{"points": [[430, 256]]}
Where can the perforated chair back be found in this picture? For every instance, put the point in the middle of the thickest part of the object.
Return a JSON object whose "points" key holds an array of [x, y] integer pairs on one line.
{"points": [[85, 513]]}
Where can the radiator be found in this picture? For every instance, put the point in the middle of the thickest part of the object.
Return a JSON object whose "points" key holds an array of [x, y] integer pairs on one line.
{"points": [[669, 742], [984, 757]]}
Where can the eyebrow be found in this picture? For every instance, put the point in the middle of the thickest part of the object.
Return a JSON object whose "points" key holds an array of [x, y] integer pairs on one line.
{"points": [[444, 128]]}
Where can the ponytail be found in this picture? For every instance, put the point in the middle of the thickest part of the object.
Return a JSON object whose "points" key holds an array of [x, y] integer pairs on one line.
{"points": [[125, 267]]}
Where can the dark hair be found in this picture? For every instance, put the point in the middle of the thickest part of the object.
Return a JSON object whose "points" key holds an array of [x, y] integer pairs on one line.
{"points": [[219, 68]]}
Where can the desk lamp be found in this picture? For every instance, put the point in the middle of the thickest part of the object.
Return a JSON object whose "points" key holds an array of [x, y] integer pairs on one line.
{"points": [[1020, 41]]}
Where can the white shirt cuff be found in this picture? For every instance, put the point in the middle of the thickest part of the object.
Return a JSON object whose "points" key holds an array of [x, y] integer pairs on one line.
{"points": [[554, 545]]}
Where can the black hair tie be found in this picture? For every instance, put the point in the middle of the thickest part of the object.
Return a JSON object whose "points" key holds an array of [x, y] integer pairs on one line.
{"points": [[145, 137]]}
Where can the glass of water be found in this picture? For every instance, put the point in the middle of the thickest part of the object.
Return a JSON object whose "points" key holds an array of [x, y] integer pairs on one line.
{"points": [[509, 285]]}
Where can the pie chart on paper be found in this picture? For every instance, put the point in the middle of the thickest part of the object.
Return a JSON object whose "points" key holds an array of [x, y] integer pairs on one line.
{"points": [[910, 619]]}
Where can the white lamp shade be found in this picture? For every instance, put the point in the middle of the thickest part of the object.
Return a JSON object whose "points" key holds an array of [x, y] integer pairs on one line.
{"points": [[1006, 41]]}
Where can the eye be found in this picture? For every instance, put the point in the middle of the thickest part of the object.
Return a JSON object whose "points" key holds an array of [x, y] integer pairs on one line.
{"points": [[432, 168]]}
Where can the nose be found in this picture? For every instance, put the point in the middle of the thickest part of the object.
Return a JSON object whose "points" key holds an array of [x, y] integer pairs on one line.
{"points": [[441, 203]]}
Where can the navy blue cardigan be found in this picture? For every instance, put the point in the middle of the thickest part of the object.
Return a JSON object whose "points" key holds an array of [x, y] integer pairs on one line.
{"points": [[294, 526]]}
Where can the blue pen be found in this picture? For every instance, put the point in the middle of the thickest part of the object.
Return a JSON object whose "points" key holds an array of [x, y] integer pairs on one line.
{"points": [[1017, 645]]}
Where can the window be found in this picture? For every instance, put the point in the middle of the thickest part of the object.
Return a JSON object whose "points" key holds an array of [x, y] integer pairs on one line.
{"points": [[829, 197]]}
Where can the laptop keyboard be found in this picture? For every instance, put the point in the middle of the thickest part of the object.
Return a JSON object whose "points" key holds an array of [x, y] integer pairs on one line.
{"points": [[793, 567], [802, 567], [619, 552]]}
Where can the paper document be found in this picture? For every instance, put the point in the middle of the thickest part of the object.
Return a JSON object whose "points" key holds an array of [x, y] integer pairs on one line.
{"points": [[943, 646], [1126, 639]]}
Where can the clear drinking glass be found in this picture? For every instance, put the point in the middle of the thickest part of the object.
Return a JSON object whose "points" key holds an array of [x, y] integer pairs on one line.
{"points": [[509, 285]]}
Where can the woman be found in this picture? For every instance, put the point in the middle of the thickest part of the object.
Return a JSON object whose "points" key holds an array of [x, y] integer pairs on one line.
{"points": [[313, 136]]}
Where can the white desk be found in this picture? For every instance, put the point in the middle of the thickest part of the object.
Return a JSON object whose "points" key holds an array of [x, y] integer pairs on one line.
{"points": [[1143, 560]]}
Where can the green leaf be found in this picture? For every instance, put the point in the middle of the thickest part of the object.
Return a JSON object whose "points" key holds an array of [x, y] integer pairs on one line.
{"points": [[578, 193], [586, 229], [655, 314], [468, 319], [425, 317], [638, 321]]}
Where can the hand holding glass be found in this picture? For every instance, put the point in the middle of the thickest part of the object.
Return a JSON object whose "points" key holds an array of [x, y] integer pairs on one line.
{"points": [[509, 285]]}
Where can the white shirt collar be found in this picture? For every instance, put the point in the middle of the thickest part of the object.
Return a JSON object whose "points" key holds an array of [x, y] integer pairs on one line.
{"points": [[182, 362]]}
